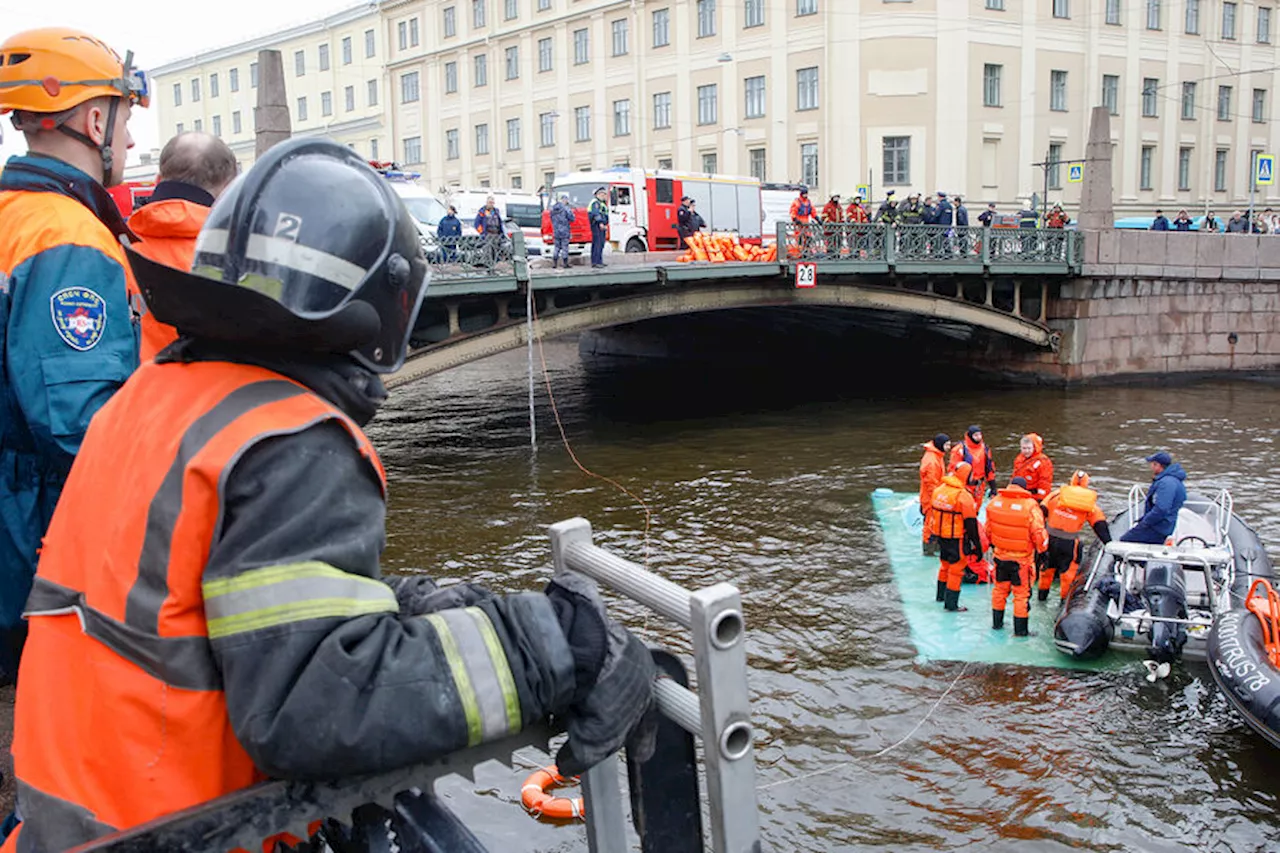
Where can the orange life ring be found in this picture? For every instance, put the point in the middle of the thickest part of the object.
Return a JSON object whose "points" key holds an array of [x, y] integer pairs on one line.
{"points": [[534, 796]]}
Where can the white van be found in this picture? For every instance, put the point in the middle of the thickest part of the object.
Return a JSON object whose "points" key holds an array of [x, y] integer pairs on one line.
{"points": [[423, 206], [519, 209]]}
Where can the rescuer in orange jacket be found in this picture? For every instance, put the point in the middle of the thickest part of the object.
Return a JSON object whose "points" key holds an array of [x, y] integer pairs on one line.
{"points": [[933, 467], [832, 212], [1017, 534], [801, 208], [856, 212], [209, 607], [1032, 465], [953, 521], [977, 453], [1067, 510], [194, 170]]}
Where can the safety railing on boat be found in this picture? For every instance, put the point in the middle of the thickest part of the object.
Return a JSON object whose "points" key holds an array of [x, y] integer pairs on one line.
{"points": [[1222, 501], [389, 810]]}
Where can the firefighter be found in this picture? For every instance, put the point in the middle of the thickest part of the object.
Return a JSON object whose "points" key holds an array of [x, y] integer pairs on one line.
{"points": [[953, 521], [70, 337], [1017, 534], [1032, 465], [933, 467], [834, 214], [1067, 511], [216, 615]]}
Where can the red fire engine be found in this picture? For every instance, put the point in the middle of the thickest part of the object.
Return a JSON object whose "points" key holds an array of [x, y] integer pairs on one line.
{"points": [[131, 195]]}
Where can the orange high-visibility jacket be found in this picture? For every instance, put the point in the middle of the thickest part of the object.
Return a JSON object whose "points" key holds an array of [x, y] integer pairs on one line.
{"points": [[1069, 509], [1036, 469], [168, 230], [932, 469], [950, 506], [1015, 525]]}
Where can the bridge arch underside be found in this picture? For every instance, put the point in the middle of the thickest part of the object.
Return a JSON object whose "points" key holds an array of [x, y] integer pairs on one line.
{"points": [[745, 320]]}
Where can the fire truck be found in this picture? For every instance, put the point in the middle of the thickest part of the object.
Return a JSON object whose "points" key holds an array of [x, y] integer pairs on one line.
{"points": [[131, 195], [643, 205]]}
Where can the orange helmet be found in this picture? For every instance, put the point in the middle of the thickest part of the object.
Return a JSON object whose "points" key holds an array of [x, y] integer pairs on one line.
{"points": [[1080, 478], [54, 69]]}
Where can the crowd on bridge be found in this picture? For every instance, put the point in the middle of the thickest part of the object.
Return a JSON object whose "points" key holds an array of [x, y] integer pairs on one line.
{"points": [[1032, 529]]}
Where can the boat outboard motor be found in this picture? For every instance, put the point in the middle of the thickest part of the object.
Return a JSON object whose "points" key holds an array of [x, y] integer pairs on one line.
{"points": [[1084, 629], [1165, 594]]}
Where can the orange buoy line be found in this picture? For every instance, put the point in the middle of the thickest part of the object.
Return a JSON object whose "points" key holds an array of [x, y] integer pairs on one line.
{"points": [[539, 803]]}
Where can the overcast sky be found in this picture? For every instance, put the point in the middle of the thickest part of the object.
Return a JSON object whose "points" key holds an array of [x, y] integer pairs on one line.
{"points": [[157, 31]]}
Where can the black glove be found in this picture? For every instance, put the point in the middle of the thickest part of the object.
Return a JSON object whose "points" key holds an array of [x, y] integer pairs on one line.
{"points": [[613, 702], [991, 489], [972, 539], [418, 595], [1103, 530]]}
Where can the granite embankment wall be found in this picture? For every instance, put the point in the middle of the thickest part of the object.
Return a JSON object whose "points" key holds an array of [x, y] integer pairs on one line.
{"points": [[1161, 304]]}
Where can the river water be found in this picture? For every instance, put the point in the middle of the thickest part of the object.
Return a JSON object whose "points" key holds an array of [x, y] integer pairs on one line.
{"points": [[762, 478]]}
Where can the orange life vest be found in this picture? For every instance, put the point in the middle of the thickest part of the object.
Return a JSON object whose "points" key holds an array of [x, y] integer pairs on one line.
{"points": [[950, 506], [1070, 508], [980, 460], [1014, 524], [121, 712]]}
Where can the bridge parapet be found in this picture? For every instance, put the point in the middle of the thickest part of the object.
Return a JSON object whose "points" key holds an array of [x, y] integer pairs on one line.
{"points": [[1181, 255]]}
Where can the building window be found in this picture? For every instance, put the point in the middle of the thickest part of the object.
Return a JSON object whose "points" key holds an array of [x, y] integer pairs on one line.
{"points": [[198, 125], [622, 117], [402, 35], [452, 150], [217, 125], [1184, 169], [1153, 14], [513, 134], [807, 89], [810, 7], [1264, 25], [253, 75], [233, 79], [346, 50], [581, 47], [372, 94], [1150, 96], [370, 46], [1193, 19], [710, 162], [450, 77], [513, 63], [326, 103], [1053, 167], [991, 85], [1224, 103], [544, 54], [302, 108], [349, 98], [662, 28], [897, 160], [482, 138], [1228, 20], [1111, 93], [809, 164], [512, 9], [480, 70], [236, 125], [323, 57], [755, 97], [1113, 12], [177, 94], [1058, 91], [373, 149], [581, 124], [707, 106], [1144, 168], [413, 149], [213, 85], [547, 131], [299, 63], [409, 88], [1259, 105], [195, 90], [706, 18], [548, 180], [450, 22], [758, 164], [1220, 170], [997, 5], [661, 110], [544, 5], [620, 37], [413, 31], [517, 182], [753, 14], [1188, 101], [1062, 8], [477, 13]]}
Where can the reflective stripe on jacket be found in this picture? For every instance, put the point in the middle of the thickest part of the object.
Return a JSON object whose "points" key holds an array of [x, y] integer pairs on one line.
{"points": [[1015, 525]]}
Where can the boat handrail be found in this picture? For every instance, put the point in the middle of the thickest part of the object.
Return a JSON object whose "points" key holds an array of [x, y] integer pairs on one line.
{"points": [[1207, 557], [1137, 502]]}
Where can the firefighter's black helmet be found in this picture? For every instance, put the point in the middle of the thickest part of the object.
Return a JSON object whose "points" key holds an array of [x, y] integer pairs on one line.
{"points": [[310, 251]]}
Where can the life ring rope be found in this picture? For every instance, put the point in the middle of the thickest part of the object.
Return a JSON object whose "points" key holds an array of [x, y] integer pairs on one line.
{"points": [[535, 796]]}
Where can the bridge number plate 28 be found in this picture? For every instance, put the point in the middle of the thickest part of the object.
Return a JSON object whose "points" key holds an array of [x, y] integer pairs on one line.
{"points": [[806, 275]]}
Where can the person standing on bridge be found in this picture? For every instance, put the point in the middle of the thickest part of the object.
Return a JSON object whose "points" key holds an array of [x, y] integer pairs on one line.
{"points": [[933, 467], [953, 523], [1016, 529], [833, 213], [888, 211], [561, 229], [1160, 223], [684, 222], [598, 217], [1067, 511], [227, 619]]}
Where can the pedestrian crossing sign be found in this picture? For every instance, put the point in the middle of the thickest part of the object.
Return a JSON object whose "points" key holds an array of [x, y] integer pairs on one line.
{"points": [[864, 192], [1265, 170], [1075, 173]]}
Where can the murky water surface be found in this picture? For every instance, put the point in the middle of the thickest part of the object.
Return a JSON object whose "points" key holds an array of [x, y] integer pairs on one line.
{"points": [[762, 478]]}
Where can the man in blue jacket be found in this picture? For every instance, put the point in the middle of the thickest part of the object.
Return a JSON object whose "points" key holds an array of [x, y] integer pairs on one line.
{"points": [[1164, 499]]}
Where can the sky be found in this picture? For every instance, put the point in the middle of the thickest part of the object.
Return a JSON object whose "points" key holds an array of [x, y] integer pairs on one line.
{"points": [[157, 32]]}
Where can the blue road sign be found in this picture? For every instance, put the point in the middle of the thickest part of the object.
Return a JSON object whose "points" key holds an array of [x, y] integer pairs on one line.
{"points": [[1264, 171]]}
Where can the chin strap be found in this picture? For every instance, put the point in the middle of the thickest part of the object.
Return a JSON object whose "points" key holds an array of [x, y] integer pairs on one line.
{"points": [[57, 121]]}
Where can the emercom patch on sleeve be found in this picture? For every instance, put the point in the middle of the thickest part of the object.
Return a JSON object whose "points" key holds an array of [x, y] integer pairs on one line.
{"points": [[79, 317]]}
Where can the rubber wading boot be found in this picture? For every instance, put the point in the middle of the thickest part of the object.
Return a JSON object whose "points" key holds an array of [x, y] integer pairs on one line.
{"points": [[942, 591], [997, 619], [1020, 627], [953, 601], [1044, 595]]}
